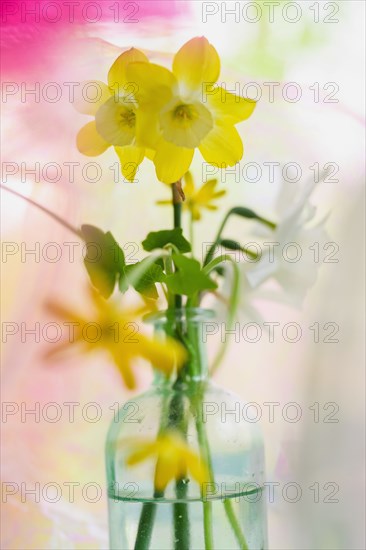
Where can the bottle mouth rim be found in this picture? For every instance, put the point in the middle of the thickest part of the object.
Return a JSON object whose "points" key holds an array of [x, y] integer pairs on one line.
{"points": [[192, 314]]}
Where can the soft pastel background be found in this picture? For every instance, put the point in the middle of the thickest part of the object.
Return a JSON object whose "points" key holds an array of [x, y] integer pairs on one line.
{"points": [[39, 451]]}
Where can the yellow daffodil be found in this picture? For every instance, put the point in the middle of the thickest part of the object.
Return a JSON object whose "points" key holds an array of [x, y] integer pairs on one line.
{"points": [[174, 459], [198, 199], [116, 119], [183, 110], [118, 333]]}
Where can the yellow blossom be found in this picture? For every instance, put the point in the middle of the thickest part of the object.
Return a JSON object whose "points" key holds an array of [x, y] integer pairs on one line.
{"points": [[198, 199], [116, 119], [117, 332], [184, 109], [174, 459]]}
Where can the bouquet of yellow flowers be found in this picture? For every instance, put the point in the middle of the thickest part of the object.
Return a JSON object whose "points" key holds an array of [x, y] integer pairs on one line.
{"points": [[146, 110]]}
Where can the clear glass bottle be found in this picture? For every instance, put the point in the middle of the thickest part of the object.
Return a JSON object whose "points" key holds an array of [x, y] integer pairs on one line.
{"points": [[232, 513]]}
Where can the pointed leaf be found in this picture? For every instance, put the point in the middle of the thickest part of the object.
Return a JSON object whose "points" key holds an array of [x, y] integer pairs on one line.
{"points": [[230, 244], [248, 213], [104, 259], [146, 285], [158, 239], [189, 277], [244, 212]]}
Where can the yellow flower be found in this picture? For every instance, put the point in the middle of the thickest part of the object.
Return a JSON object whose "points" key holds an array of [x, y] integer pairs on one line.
{"points": [[184, 110], [118, 333], [116, 116], [198, 199], [174, 459]]}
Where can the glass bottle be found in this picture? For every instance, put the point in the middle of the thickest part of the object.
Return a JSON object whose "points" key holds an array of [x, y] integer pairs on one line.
{"points": [[231, 512]]}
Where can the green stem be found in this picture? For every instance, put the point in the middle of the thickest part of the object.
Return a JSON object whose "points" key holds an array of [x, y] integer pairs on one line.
{"points": [[233, 303], [168, 265], [211, 250], [178, 197], [191, 233], [146, 524], [243, 212], [181, 517], [196, 400], [148, 512], [180, 509], [207, 525], [249, 253], [207, 506], [235, 525]]}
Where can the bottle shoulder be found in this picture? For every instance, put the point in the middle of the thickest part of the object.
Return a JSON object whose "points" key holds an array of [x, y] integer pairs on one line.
{"points": [[222, 413]]}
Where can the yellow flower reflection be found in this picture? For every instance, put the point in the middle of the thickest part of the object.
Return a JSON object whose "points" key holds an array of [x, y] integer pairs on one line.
{"points": [[174, 459], [117, 332], [198, 199], [116, 119], [184, 110]]}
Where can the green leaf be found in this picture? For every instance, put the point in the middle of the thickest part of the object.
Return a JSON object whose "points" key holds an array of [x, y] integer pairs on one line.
{"points": [[123, 283], [104, 259], [234, 245], [158, 239], [248, 213], [230, 244], [189, 277], [244, 212], [146, 285], [160, 262], [220, 270]]}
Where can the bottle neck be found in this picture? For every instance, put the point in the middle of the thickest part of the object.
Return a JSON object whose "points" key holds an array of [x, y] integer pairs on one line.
{"points": [[187, 325]]}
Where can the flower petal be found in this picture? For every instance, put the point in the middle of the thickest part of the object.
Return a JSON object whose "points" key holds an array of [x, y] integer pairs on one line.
{"points": [[117, 77], [116, 121], [130, 158], [146, 127], [196, 214], [207, 192], [227, 107], [196, 62], [150, 153], [189, 188], [163, 355], [90, 96], [165, 471], [60, 348], [89, 142], [124, 367], [222, 147], [143, 451], [163, 203], [186, 125], [171, 162], [197, 468], [154, 83]]}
